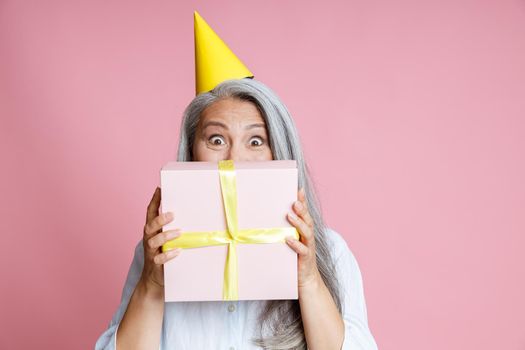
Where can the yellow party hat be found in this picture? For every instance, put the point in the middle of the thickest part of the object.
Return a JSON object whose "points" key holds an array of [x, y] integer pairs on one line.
{"points": [[214, 61]]}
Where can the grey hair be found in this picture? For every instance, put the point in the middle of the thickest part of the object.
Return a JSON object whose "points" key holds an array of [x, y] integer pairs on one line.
{"points": [[281, 319]]}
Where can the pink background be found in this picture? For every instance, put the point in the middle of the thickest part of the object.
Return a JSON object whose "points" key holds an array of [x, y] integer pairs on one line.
{"points": [[412, 117]]}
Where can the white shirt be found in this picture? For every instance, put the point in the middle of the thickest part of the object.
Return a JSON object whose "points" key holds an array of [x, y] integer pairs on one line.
{"points": [[230, 325]]}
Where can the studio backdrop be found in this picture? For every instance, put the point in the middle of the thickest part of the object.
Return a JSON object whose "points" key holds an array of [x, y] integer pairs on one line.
{"points": [[412, 117]]}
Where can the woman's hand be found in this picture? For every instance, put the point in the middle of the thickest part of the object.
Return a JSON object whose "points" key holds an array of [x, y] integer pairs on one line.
{"points": [[154, 238], [307, 272]]}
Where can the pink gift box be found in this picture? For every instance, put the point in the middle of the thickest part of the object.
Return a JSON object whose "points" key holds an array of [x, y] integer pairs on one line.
{"points": [[266, 191]]}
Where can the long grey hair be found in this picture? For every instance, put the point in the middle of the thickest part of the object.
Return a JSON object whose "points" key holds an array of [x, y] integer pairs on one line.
{"points": [[280, 320]]}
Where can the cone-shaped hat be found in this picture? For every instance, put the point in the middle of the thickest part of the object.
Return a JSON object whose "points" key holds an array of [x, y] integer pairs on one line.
{"points": [[214, 61]]}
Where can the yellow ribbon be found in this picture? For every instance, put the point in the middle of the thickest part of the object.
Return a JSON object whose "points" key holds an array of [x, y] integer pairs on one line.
{"points": [[232, 235]]}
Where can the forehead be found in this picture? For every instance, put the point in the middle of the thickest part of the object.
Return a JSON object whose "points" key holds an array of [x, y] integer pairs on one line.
{"points": [[232, 111]]}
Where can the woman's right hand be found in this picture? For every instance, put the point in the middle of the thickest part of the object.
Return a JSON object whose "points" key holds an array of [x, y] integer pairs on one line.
{"points": [[154, 238]]}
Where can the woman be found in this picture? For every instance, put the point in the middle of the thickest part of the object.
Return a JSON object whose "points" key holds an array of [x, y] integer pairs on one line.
{"points": [[243, 120]]}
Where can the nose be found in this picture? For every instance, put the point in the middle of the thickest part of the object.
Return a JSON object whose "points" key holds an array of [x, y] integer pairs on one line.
{"points": [[237, 153]]}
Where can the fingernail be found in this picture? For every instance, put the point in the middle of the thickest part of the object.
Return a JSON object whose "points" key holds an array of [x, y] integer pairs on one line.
{"points": [[168, 215], [292, 216], [175, 252], [291, 240], [173, 234], [299, 205]]}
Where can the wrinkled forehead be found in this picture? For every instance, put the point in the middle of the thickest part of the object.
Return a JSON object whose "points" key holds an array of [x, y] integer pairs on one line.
{"points": [[232, 113]]}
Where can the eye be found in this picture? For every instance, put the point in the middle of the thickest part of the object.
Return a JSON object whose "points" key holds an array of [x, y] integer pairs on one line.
{"points": [[217, 140], [256, 141]]}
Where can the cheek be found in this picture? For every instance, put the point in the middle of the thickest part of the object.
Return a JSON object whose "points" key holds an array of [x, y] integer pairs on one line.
{"points": [[266, 155]]}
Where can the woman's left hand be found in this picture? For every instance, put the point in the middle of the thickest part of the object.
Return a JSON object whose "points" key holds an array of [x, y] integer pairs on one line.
{"points": [[307, 272]]}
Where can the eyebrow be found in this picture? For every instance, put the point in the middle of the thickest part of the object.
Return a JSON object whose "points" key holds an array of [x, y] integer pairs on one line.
{"points": [[224, 126]]}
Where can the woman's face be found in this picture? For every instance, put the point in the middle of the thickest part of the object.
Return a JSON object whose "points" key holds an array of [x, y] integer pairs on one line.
{"points": [[231, 129]]}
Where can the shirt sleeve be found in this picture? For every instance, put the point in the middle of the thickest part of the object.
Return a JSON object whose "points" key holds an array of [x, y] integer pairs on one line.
{"points": [[108, 339], [357, 334]]}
